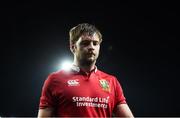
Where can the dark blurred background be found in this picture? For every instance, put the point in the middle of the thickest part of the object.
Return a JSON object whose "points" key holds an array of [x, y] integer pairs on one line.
{"points": [[140, 47]]}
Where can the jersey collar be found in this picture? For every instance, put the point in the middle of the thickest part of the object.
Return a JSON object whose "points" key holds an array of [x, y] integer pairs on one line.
{"points": [[77, 69]]}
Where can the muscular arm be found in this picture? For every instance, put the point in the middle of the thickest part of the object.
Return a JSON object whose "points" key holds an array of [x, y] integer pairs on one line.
{"points": [[47, 112], [122, 110]]}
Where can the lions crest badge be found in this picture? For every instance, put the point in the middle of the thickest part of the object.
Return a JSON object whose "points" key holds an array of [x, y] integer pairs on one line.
{"points": [[104, 84]]}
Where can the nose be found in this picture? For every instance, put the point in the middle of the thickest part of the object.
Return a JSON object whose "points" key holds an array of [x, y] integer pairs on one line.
{"points": [[91, 46]]}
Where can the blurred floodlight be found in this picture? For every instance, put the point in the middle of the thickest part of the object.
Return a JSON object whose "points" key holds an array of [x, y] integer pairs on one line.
{"points": [[66, 65]]}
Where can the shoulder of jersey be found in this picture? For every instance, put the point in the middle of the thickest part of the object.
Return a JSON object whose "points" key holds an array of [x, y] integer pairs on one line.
{"points": [[58, 75], [105, 75]]}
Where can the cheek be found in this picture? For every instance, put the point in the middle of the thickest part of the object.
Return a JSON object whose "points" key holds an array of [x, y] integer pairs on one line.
{"points": [[80, 50], [98, 48]]}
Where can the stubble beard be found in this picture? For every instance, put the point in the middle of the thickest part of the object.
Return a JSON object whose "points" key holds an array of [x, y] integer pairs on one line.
{"points": [[87, 62]]}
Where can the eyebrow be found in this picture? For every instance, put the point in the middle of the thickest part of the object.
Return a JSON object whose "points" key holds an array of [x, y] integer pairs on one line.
{"points": [[85, 40]]}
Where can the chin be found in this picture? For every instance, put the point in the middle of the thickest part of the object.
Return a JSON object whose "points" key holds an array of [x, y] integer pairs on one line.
{"points": [[87, 61], [90, 60]]}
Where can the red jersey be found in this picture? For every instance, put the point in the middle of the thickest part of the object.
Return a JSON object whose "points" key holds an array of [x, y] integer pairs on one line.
{"points": [[74, 93]]}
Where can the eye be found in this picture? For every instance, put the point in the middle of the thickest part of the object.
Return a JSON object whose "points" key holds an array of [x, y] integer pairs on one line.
{"points": [[95, 43], [85, 43]]}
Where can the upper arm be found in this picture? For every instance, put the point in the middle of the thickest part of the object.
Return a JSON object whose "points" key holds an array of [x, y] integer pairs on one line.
{"points": [[47, 99], [123, 110], [47, 112]]}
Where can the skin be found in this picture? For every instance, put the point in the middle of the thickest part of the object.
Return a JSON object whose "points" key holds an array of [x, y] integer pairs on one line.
{"points": [[86, 51]]}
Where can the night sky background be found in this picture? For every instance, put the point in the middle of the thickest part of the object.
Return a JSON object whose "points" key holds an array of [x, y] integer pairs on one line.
{"points": [[140, 47]]}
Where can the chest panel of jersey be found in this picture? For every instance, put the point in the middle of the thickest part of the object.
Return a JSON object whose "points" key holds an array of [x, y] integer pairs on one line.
{"points": [[84, 94]]}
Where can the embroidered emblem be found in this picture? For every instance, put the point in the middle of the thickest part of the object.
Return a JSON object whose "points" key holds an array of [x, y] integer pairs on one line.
{"points": [[104, 84], [73, 82]]}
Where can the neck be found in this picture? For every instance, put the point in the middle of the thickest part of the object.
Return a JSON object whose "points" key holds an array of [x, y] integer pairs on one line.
{"points": [[85, 67]]}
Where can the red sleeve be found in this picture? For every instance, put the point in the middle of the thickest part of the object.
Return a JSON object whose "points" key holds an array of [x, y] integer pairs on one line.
{"points": [[47, 98], [119, 95]]}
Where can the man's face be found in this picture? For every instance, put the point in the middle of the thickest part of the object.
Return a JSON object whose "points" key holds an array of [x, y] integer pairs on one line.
{"points": [[86, 49]]}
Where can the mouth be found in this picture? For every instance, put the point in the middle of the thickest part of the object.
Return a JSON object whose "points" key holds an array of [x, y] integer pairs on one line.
{"points": [[90, 54]]}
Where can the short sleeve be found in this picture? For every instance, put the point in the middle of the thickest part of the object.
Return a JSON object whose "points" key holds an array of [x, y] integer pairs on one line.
{"points": [[119, 95], [47, 98]]}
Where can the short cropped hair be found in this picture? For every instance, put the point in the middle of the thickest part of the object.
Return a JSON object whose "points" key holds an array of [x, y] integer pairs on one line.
{"points": [[83, 28]]}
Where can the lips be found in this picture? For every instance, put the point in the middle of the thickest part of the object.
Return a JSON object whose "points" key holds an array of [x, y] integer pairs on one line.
{"points": [[90, 54]]}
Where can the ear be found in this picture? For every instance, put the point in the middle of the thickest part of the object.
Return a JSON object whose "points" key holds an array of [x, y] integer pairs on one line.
{"points": [[72, 48]]}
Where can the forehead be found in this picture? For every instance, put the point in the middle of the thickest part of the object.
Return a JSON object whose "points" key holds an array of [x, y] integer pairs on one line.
{"points": [[93, 37]]}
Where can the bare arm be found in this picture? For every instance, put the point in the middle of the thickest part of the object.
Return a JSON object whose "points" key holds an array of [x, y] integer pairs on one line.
{"points": [[122, 110], [47, 112]]}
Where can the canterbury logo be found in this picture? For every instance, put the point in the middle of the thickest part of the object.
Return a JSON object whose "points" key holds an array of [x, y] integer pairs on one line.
{"points": [[73, 82]]}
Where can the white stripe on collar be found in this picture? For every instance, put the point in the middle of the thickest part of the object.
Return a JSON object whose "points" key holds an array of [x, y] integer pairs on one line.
{"points": [[77, 69]]}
